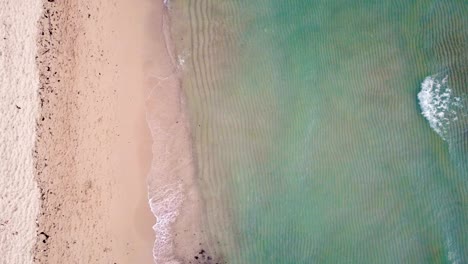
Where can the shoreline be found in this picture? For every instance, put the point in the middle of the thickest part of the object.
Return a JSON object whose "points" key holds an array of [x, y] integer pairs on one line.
{"points": [[93, 145], [173, 192]]}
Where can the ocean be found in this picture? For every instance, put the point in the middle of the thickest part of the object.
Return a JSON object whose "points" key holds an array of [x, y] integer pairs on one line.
{"points": [[328, 131]]}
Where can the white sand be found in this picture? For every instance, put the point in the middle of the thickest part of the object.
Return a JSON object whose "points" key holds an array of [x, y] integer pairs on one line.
{"points": [[19, 196]]}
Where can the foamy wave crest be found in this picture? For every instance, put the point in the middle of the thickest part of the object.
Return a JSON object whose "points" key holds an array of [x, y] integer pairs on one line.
{"points": [[438, 104], [165, 204]]}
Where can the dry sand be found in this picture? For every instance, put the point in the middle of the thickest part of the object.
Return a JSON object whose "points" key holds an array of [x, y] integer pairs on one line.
{"points": [[93, 149], [19, 196]]}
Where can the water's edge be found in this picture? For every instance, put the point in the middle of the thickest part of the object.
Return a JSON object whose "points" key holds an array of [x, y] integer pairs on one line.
{"points": [[171, 174]]}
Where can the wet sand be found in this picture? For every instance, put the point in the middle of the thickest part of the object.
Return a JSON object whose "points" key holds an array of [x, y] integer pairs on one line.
{"points": [[173, 187]]}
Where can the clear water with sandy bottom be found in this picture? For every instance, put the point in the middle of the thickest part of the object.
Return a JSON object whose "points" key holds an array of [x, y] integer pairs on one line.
{"points": [[329, 131]]}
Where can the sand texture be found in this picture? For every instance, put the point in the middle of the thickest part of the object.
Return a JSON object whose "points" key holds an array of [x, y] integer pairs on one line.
{"points": [[93, 147], [19, 196]]}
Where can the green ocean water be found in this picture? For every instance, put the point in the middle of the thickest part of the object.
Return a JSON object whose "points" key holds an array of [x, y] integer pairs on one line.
{"points": [[308, 136]]}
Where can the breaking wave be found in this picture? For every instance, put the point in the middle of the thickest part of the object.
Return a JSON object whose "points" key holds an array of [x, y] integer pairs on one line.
{"points": [[439, 105]]}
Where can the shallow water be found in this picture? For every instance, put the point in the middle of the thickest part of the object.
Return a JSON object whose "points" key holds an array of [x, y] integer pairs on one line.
{"points": [[309, 140]]}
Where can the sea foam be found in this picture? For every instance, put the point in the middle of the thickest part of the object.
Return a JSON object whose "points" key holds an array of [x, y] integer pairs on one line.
{"points": [[439, 105], [165, 204]]}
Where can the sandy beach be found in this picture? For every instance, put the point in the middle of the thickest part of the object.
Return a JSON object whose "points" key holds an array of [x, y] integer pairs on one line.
{"points": [[93, 150], [19, 195], [97, 144]]}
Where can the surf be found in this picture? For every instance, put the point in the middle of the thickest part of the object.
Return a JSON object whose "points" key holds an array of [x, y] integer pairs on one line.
{"points": [[439, 105]]}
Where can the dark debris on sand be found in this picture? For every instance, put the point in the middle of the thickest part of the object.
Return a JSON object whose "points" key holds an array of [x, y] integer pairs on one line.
{"points": [[202, 257]]}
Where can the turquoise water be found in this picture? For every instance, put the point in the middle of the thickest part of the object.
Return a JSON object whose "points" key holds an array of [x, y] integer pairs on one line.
{"points": [[308, 135]]}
